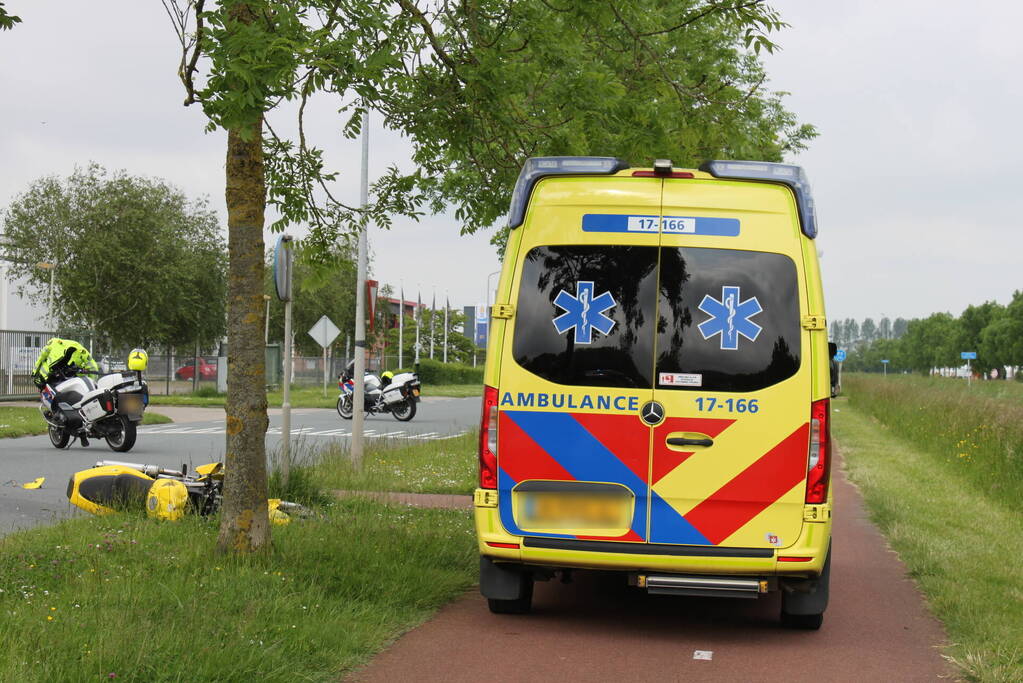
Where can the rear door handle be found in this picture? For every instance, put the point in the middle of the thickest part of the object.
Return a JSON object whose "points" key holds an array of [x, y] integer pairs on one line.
{"points": [[682, 441]]}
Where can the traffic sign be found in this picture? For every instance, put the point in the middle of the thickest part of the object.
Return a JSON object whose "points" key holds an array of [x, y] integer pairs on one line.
{"points": [[282, 267], [840, 355], [886, 361], [324, 331], [968, 355]]}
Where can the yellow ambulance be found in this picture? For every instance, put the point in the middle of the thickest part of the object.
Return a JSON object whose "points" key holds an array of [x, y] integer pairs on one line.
{"points": [[657, 385]]}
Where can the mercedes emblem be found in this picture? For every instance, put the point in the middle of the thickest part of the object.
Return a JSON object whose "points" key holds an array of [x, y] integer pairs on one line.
{"points": [[652, 412]]}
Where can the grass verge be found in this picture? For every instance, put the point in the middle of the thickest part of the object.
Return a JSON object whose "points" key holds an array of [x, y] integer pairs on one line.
{"points": [[441, 466], [127, 597], [977, 431], [308, 397], [961, 545], [20, 421]]}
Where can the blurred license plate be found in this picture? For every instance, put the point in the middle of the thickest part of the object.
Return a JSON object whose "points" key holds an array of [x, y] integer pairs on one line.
{"points": [[577, 511], [130, 403]]}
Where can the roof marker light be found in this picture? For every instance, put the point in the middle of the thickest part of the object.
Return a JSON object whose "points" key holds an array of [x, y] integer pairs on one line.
{"points": [[662, 166], [786, 174], [537, 168]]}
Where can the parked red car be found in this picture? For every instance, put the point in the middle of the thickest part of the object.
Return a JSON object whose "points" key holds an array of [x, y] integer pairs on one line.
{"points": [[207, 370]]}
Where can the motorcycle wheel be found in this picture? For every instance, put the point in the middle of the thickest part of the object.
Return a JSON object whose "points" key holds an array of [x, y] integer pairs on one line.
{"points": [[59, 436], [404, 411], [344, 407], [123, 439]]}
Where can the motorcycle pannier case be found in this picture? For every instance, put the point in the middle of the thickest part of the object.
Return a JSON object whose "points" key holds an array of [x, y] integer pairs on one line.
{"points": [[96, 405]]}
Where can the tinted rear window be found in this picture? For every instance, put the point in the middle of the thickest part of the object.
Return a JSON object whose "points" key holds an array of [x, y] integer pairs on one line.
{"points": [[725, 320], [585, 315], [728, 320]]}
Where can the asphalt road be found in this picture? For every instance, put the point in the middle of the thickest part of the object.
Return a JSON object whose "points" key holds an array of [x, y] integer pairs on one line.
{"points": [[596, 629], [196, 437]]}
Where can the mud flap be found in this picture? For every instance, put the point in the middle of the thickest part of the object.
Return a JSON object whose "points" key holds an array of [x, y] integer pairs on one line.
{"points": [[807, 596], [502, 581]]}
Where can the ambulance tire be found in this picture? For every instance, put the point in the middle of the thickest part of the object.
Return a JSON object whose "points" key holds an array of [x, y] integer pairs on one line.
{"points": [[508, 590], [805, 611], [521, 605]]}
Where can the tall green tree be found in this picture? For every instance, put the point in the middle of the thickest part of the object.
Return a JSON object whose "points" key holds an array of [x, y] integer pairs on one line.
{"points": [[899, 327], [132, 258], [477, 87], [1001, 341], [969, 330], [930, 343]]}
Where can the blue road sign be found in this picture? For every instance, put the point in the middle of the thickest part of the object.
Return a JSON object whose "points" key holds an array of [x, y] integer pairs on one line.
{"points": [[840, 355], [886, 361], [969, 355]]}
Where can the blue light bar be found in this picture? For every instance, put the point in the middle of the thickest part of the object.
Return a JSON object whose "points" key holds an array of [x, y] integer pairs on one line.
{"points": [[786, 174], [537, 168]]}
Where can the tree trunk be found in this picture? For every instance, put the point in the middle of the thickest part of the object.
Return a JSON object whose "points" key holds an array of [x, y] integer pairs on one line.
{"points": [[244, 524]]}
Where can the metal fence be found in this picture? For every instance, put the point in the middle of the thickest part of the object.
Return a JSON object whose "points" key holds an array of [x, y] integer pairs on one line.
{"points": [[171, 371]]}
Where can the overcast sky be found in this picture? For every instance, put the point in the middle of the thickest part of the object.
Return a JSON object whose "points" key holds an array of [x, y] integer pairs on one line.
{"points": [[913, 172]]}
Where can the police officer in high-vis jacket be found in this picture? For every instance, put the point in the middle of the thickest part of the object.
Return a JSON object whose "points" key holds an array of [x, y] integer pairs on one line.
{"points": [[58, 354]]}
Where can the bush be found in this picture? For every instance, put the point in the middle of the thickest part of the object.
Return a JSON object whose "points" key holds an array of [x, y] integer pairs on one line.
{"points": [[436, 372]]}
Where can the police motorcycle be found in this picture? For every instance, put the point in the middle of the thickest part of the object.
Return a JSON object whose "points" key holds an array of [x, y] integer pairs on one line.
{"points": [[165, 493], [76, 407], [389, 393]]}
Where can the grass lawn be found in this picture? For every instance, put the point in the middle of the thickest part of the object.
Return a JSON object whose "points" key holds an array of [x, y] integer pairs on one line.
{"points": [[18, 421], [442, 466], [307, 397], [961, 541], [127, 598]]}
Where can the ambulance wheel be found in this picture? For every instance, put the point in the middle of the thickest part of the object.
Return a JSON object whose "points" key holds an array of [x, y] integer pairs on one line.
{"points": [[804, 610], [520, 605], [59, 436], [123, 439], [344, 407], [404, 411]]}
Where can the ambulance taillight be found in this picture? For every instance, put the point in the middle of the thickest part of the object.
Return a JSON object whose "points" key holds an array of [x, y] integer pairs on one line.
{"points": [[819, 464], [488, 439]]}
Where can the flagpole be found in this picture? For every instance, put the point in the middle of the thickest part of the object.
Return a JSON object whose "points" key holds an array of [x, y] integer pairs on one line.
{"points": [[419, 324], [433, 316], [447, 305]]}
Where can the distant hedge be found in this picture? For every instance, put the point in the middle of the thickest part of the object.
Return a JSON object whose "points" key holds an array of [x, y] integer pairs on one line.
{"points": [[436, 372]]}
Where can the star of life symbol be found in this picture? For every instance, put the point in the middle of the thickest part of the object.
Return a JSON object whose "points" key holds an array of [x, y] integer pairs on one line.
{"points": [[584, 312], [730, 318]]}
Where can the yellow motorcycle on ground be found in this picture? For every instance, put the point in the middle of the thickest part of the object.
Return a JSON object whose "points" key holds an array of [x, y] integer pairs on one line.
{"points": [[166, 493]]}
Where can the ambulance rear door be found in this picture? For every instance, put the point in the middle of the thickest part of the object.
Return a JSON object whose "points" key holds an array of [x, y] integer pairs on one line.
{"points": [[573, 454], [728, 461]]}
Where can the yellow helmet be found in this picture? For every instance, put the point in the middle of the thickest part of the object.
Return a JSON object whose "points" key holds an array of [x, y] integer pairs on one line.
{"points": [[277, 515], [167, 499], [387, 375], [138, 359]]}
